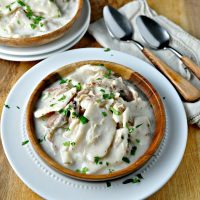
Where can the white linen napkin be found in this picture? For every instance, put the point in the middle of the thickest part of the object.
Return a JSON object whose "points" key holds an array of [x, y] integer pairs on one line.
{"points": [[181, 40]]}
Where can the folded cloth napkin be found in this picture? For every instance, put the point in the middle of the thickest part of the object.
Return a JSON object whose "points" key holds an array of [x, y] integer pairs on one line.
{"points": [[181, 40]]}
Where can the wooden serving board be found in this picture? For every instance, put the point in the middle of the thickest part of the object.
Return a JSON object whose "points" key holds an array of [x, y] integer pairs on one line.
{"points": [[185, 184]]}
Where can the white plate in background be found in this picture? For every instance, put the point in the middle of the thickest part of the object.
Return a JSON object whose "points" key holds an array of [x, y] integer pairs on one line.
{"points": [[74, 32]]}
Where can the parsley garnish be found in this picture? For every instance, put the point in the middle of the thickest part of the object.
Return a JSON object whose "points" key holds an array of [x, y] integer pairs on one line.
{"points": [[114, 111], [104, 114], [138, 125], [67, 129], [73, 143], [107, 49], [21, 3], [68, 143], [96, 159], [108, 96], [74, 115], [132, 180], [125, 159], [136, 179], [140, 176], [7, 106], [78, 87], [62, 81], [137, 140], [62, 98], [108, 74], [102, 90], [111, 170], [108, 183], [100, 64], [133, 150], [83, 119], [25, 142], [84, 170], [40, 140]]}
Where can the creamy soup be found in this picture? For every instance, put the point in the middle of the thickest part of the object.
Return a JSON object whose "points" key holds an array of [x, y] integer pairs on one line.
{"points": [[29, 18], [93, 121]]}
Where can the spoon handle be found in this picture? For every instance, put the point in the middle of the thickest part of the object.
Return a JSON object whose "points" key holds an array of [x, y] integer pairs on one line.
{"points": [[191, 65], [184, 87]]}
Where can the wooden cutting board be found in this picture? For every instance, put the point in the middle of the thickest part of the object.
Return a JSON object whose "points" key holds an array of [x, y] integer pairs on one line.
{"points": [[185, 184]]}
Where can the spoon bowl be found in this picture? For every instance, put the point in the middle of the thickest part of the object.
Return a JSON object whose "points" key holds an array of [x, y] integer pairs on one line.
{"points": [[154, 34], [119, 27]]}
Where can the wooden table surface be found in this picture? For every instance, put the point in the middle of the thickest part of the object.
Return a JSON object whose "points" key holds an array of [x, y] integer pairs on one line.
{"points": [[185, 184]]}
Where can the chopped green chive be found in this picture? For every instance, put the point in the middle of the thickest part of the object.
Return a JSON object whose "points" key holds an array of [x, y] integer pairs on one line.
{"points": [[25, 142], [107, 163], [99, 79], [62, 98], [83, 119], [17, 107], [125, 159], [53, 104]]}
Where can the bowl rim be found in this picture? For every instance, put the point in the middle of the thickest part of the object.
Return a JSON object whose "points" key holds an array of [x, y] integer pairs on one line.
{"points": [[42, 39], [142, 83]]}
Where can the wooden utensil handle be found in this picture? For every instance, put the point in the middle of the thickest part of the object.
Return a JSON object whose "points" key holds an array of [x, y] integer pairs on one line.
{"points": [[191, 65], [184, 87]]}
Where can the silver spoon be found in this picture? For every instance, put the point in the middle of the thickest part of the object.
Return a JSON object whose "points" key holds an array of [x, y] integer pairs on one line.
{"points": [[159, 38], [120, 28]]}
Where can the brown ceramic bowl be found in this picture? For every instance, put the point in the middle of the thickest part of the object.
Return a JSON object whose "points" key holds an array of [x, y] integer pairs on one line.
{"points": [[127, 74], [42, 39]]}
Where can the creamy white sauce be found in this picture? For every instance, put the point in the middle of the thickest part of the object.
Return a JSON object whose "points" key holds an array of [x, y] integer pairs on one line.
{"points": [[101, 144], [25, 18]]}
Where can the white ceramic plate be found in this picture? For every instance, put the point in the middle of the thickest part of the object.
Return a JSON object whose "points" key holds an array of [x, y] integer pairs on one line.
{"points": [[52, 185], [46, 55], [77, 29]]}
